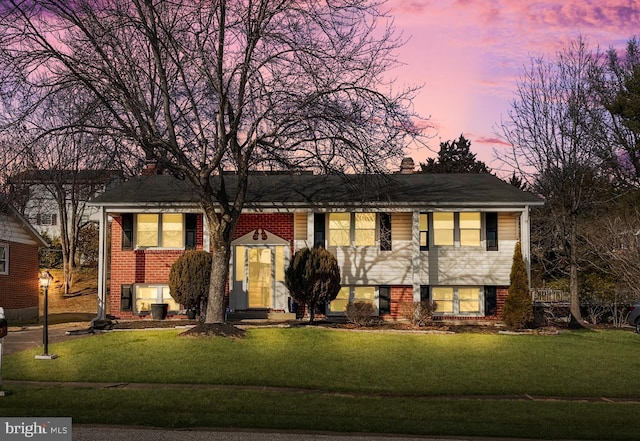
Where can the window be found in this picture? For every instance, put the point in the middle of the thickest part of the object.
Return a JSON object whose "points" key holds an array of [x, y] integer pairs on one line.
{"points": [[147, 295], [424, 231], [456, 300], [365, 229], [470, 229], [339, 229], [385, 232], [351, 294], [341, 225], [443, 227], [164, 230], [468, 300], [4, 259], [443, 296], [47, 219], [491, 221], [339, 304]]}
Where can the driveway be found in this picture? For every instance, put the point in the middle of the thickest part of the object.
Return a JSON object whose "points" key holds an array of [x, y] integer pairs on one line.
{"points": [[29, 337]]}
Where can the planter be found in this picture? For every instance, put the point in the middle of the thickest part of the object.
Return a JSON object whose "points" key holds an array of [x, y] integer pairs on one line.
{"points": [[159, 311]]}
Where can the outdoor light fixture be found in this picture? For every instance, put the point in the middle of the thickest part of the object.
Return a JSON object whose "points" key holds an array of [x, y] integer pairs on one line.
{"points": [[45, 281]]}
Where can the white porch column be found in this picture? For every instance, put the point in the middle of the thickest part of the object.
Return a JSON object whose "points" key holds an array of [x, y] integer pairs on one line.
{"points": [[525, 240], [102, 264]]}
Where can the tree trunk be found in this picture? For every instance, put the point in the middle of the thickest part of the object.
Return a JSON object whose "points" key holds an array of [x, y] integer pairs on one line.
{"points": [[312, 312], [574, 307], [216, 304]]}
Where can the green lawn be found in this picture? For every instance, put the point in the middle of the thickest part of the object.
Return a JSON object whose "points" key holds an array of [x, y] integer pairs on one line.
{"points": [[355, 381]]}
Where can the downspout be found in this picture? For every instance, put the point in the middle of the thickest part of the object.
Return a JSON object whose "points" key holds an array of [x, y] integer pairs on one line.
{"points": [[102, 267]]}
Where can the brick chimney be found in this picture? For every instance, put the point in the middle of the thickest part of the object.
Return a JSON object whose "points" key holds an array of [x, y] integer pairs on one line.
{"points": [[407, 166]]}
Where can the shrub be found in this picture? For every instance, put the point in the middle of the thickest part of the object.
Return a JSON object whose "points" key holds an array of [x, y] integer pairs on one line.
{"points": [[518, 307], [418, 313], [360, 313], [313, 277], [189, 279]]}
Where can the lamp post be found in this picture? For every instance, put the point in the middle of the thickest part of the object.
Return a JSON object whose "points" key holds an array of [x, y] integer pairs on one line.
{"points": [[45, 281]]}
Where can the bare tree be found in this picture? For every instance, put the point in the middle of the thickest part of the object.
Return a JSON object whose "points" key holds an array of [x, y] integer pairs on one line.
{"points": [[205, 85], [552, 127], [62, 165]]}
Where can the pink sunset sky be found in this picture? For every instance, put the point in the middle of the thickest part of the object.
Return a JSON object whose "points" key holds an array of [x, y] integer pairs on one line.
{"points": [[468, 55]]}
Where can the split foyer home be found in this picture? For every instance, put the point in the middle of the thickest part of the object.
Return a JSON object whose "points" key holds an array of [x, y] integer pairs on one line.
{"points": [[398, 238], [19, 243]]}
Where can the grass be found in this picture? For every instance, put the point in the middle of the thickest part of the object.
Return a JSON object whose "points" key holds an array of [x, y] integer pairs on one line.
{"points": [[355, 381]]}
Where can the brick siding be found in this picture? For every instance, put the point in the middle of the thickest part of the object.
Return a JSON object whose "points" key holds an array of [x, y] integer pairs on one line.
{"points": [[19, 289]]}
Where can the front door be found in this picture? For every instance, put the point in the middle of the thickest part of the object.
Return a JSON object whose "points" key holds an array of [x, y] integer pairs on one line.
{"points": [[260, 281]]}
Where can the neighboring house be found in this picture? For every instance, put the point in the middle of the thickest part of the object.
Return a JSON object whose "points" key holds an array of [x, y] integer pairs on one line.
{"points": [[19, 243], [34, 191], [397, 238]]}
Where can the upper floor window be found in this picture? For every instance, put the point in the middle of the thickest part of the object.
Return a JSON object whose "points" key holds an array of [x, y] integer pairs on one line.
{"points": [[443, 228], [470, 227], [47, 219], [163, 230], [365, 229], [345, 226], [159, 230], [4, 259]]}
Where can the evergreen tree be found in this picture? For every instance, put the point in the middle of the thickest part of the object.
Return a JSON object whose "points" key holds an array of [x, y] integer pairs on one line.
{"points": [[313, 277], [518, 308], [455, 157]]}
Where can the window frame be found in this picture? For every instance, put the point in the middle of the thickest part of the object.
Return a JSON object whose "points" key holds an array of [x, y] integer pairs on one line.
{"points": [[5, 259], [455, 300]]}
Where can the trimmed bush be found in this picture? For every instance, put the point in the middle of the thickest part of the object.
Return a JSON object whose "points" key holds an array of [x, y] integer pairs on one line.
{"points": [[518, 308], [189, 279], [313, 277]]}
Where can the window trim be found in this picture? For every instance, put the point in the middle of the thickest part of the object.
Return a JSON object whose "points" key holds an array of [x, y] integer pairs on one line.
{"points": [[6, 259]]}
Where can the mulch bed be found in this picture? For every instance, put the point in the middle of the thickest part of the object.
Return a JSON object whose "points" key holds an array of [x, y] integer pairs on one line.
{"points": [[199, 329]]}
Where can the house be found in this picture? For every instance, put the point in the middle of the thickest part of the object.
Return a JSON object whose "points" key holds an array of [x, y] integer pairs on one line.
{"points": [[19, 243], [36, 193], [398, 238]]}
